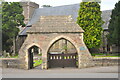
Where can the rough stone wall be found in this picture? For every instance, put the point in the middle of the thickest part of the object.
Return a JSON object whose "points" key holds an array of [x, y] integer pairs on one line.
{"points": [[16, 63], [106, 62], [104, 45], [19, 41], [10, 63], [44, 41]]}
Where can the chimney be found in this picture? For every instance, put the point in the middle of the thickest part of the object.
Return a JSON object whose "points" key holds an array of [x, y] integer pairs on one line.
{"points": [[28, 9]]}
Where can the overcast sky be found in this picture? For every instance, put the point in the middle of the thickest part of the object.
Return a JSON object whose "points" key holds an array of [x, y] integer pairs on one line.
{"points": [[105, 5]]}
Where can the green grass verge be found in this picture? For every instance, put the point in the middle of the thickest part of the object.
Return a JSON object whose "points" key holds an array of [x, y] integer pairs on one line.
{"points": [[37, 62], [14, 56], [10, 57], [94, 54], [104, 55]]}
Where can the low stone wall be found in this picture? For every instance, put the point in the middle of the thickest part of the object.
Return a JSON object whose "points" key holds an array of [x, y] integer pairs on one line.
{"points": [[16, 63], [106, 61], [9, 63]]}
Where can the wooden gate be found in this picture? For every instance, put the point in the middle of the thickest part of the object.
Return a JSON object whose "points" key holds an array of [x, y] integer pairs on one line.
{"points": [[62, 60]]}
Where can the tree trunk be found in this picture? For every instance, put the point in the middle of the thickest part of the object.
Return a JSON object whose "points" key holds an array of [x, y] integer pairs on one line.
{"points": [[14, 46]]}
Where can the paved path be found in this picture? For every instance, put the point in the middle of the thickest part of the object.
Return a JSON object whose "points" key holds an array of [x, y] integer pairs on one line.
{"points": [[93, 72]]}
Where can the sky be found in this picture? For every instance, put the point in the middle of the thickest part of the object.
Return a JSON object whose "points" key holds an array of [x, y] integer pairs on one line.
{"points": [[105, 4]]}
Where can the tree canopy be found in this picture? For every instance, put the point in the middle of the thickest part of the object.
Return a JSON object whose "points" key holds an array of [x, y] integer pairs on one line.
{"points": [[46, 6], [114, 26], [89, 18], [12, 18]]}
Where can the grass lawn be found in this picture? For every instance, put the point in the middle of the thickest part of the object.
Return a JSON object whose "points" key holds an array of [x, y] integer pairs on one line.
{"points": [[37, 62], [97, 54], [14, 56], [104, 55], [10, 57]]}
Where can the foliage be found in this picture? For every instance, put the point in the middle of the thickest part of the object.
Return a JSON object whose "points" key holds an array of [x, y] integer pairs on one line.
{"points": [[8, 56], [37, 63], [103, 55], [91, 0], [46, 6], [65, 47], [40, 54], [89, 18], [11, 18], [114, 26], [94, 54]]}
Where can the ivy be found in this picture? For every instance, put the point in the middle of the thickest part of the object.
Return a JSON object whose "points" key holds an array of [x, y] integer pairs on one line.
{"points": [[89, 18]]}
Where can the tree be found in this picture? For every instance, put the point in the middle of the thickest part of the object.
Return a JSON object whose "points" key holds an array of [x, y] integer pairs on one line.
{"points": [[12, 18], [0, 27], [114, 26], [89, 18], [46, 6]]}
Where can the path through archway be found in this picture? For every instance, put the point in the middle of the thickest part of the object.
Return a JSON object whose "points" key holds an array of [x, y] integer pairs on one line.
{"points": [[34, 57]]}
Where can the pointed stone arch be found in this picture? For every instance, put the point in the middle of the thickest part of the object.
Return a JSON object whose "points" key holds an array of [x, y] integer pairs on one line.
{"points": [[71, 62], [62, 37], [30, 55], [33, 44]]}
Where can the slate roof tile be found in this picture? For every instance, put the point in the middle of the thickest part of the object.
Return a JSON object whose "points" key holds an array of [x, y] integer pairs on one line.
{"points": [[55, 24]]}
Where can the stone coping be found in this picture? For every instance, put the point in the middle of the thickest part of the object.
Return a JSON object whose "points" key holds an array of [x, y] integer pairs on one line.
{"points": [[93, 58], [106, 57], [8, 58]]}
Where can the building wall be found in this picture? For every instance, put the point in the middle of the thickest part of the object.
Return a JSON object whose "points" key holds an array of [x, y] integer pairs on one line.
{"points": [[28, 10], [44, 41], [19, 42], [104, 46]]}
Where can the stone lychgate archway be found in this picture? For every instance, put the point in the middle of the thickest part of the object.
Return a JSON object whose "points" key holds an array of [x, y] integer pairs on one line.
{"points": [[47, 31], [62, 53]]}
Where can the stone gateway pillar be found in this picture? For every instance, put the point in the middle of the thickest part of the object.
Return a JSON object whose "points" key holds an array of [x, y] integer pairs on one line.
{"points": [[46, 32]]}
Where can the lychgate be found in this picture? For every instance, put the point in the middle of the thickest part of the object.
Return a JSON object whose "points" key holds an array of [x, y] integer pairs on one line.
{"points": [[42, 35]]}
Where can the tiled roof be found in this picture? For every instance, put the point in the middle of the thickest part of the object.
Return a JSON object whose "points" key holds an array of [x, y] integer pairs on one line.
{"points": [[63, 10], [55, 11], [55, 24]]}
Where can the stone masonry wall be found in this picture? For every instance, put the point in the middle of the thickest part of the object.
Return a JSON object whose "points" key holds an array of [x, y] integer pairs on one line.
{"points": [[15, 63], [44, 42], [106, 61], [10, 63]]}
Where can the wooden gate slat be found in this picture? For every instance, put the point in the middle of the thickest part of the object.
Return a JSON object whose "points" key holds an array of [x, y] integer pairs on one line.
{"points": [[62, 60]]}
